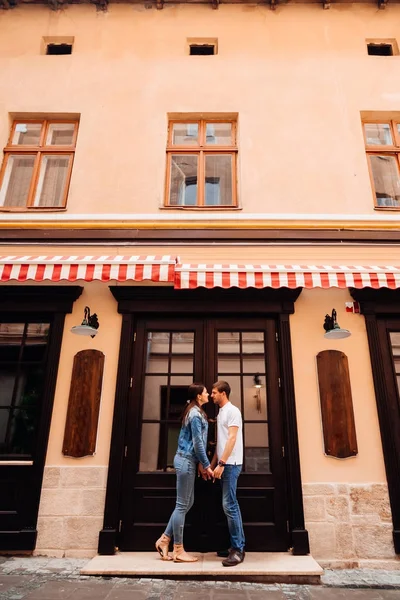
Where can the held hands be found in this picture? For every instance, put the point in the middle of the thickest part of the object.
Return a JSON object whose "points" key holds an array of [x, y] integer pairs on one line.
{"points": [[206, 474], [218, 471]]}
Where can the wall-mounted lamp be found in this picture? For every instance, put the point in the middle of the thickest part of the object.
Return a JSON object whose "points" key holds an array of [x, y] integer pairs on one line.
{"points": [[257, 395], [333, 329], [89, 325]]}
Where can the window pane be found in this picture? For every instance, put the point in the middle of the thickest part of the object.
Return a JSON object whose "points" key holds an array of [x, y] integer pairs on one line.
{"points": [[183, 190], [395, 343], [386, 180], [255, 399], [153, 390], [228, 342], [185, 134], [178, 395], [36, 342], [218, 185], [4, 417], [17, 431], [7, 382], [172, 444], [11, 335], [157, 352], [26, 134], [378, 134], [256, 447], [182, 381], [235, 383], [228, 363], [52, 180], [253, 352], [149, 447], [21, 431], [17, 180], [219, 134], [182, 352], [30, 386], [228, 352], [60, 134]]}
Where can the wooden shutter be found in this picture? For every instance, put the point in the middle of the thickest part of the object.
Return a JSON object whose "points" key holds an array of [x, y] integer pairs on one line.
{"points": [[84, 404], [336, 404]]}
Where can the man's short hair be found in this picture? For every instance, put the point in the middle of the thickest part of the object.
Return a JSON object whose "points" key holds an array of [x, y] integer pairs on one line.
{"points": [[222, 386]]}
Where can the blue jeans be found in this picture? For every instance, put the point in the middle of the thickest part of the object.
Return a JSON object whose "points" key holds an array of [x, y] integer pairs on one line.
{"points": [[185, 476], [231, 506]]}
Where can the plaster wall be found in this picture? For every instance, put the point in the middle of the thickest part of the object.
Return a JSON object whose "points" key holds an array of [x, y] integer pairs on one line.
{"points": [[298, 97], [307, 341], [346, 504]]}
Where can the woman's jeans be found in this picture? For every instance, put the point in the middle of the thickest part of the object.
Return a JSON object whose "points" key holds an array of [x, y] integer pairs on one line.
{"points": [[231, 506], [185, 477]]}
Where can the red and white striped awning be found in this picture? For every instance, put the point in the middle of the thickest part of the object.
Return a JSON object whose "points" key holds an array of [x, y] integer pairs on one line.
{"points": [[190, 276], [87, 268]]}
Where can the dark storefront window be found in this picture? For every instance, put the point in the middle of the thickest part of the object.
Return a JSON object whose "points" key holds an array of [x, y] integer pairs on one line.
{"points": [[23, 353]]}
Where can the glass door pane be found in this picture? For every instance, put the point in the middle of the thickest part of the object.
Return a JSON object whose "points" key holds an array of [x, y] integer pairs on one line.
{"points": [[395, 344], [241, 362], [169, 372]]}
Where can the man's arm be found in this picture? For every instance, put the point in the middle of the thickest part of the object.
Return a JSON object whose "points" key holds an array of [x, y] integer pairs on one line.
{"points": [[214, 460], [230, 444]]}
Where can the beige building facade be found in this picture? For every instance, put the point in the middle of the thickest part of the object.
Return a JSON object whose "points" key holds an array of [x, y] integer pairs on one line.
{"points": [[129, 212]]}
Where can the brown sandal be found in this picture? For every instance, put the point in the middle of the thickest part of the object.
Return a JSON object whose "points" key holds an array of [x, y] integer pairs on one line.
{"points": [[162, 546], [180, 555]]}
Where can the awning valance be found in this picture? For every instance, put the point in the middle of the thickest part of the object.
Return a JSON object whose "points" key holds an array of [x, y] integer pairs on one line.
{"points": [[87, 268], [190, 276], [168, 269]]}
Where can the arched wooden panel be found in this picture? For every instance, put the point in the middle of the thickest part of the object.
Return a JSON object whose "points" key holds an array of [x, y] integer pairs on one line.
{"points": [[336, 404], [84, 404]]}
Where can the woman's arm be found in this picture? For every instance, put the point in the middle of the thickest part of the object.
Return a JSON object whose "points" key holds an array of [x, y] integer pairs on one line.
{"points": [[198, 445]]}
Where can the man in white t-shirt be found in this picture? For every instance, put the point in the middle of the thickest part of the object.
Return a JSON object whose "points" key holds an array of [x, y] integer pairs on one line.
{"points": [[227, 465]]}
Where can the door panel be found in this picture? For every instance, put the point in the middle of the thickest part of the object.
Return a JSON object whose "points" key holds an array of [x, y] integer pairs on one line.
{"points": [[23, 364], [168, 356]]}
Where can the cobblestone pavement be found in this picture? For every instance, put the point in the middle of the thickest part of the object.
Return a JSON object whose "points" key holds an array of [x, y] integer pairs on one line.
{"points": [[58, 579]]}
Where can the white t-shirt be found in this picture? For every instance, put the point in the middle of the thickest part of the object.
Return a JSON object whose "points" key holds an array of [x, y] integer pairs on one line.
{"points": [[230, 416]]}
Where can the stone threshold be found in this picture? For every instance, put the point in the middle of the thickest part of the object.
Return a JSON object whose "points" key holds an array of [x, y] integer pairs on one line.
{"points": [[261, 567]]}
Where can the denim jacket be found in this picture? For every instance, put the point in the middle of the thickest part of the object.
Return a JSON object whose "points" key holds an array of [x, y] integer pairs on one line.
{"points": [[192, 440]]}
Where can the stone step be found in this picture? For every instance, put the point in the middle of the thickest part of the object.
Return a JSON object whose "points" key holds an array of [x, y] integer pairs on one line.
{"points": [[262, 567]]}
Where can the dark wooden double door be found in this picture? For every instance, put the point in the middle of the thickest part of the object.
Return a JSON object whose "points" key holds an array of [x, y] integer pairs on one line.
{"points": [[168, 355]]}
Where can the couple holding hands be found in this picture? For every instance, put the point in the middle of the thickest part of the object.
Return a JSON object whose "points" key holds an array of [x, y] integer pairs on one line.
{"points": [[226, 465]]}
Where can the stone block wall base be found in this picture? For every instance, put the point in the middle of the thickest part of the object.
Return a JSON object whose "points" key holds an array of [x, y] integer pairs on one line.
{"points": [[339, 564], [350, 525], [385, 565], [87, 553], [388, 565], [16, 552], [49, 553], [71, 511]]}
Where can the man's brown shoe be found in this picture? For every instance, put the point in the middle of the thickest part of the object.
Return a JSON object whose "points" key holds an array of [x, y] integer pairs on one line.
{"points": [[235, 558]]}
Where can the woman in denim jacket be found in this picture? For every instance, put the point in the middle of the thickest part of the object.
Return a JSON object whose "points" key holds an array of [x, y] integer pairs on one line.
{"points": [[191, 450]]}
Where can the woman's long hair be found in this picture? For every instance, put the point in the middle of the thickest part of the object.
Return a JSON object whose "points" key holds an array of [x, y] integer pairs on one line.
{"points": [[194, 390]]}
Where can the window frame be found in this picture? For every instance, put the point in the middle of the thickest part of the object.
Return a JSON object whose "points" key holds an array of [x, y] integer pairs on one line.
{"points": [[376, 150], [201, 150], [38, 151]]}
